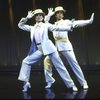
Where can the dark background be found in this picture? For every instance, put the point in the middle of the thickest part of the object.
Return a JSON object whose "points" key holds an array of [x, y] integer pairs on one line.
{"points": [[15, 43]]}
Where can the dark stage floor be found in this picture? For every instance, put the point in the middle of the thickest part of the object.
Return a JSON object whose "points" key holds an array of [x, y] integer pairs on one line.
{"points": [[10, 87]]}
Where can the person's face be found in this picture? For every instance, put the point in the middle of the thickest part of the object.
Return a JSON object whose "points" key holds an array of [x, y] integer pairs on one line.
{"points": [[39, 17], [59, 15]]}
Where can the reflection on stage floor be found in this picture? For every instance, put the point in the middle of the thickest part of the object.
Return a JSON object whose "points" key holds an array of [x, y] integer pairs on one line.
{"points": [[11, 88]]}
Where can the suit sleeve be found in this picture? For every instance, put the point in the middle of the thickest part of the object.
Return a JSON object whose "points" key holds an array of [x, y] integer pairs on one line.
{"points": [[23, 26], [80, 23], [52, 27]]}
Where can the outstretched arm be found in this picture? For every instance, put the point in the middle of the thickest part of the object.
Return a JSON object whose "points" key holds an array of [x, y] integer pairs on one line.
{"points": [[48, 16], [81, 23], [22, 22], [52, 27]]}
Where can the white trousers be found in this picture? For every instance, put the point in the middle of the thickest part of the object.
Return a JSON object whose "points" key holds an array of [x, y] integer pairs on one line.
{"points": [[70, 56], [24, 74]]}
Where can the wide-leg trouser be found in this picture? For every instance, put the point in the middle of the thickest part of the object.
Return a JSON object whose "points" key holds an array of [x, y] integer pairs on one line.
{"points": [[24, 74], [70, 56]]}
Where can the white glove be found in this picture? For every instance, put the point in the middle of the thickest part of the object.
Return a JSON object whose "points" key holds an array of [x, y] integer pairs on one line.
{"points": [[30, 14], [50, 12], [92, 18], [48, 16]]}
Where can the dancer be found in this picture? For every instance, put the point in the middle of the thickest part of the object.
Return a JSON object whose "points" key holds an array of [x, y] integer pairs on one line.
{"points": [[42, 45], [64, 45]]}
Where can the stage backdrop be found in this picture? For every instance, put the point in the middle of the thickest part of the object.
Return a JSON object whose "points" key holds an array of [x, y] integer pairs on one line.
{"points": [[15, 43]]}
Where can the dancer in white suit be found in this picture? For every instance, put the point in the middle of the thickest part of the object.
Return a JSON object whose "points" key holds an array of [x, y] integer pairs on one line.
{"points": [[64, 46], [42, 45]]}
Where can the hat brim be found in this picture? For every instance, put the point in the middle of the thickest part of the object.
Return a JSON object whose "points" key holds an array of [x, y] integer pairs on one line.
{"points": [[60, 10], [43, 14]]}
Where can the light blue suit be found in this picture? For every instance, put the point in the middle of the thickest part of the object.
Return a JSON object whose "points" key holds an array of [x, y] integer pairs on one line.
{"points": [[47, 48]]}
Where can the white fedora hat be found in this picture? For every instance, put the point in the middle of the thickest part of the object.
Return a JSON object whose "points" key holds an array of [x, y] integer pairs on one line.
{"points": [[38, 11], [59, 8]]}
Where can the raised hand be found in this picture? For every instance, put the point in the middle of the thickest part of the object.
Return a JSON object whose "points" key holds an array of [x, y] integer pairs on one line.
{"points": [[92, 18], [30, 14], [50, 12]]}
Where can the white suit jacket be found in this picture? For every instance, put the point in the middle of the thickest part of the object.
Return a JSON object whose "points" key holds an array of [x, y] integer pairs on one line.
{"points": [[61, 46], [47, 45]]}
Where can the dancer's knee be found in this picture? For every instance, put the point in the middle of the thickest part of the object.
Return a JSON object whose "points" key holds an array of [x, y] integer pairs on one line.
{"points": [[25, 61]]}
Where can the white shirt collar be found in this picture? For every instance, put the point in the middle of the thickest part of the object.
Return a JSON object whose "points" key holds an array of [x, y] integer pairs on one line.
{"points": [[39, 24]]}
